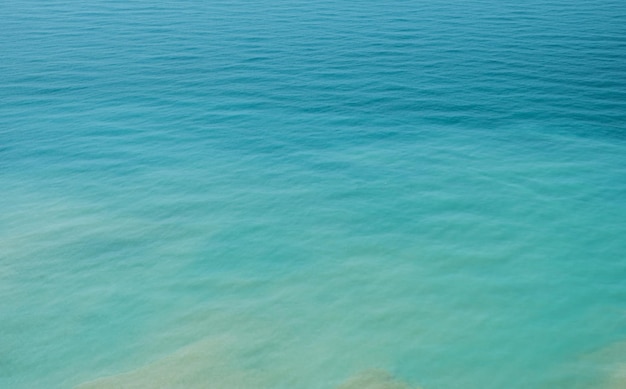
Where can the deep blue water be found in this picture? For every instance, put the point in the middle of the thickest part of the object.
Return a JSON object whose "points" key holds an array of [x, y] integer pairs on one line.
{"points": [[313, 194]]}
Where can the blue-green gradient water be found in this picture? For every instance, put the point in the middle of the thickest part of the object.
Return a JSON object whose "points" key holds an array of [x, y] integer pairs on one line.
{"points": [[313, 194]]}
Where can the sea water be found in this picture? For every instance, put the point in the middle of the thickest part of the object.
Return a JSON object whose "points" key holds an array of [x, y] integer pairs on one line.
{"points": [[313, 194]]}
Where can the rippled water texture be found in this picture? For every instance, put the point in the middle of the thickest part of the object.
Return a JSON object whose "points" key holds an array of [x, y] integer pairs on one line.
{"points": [[313, 194]]}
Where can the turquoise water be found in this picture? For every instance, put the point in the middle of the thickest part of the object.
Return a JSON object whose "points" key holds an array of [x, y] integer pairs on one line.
{"points": [[316, 195]]}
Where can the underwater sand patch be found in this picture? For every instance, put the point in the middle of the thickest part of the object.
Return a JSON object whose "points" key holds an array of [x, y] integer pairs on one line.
{"points": [[207, 365], [374, 379], [613, 358], [198, 366]]}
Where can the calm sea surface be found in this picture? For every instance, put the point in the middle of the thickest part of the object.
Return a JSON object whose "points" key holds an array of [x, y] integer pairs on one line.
{"points": [[313, 194]]}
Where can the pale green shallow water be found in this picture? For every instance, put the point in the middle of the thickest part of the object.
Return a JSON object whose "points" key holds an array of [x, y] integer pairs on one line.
{"points": [[315, 195]]}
